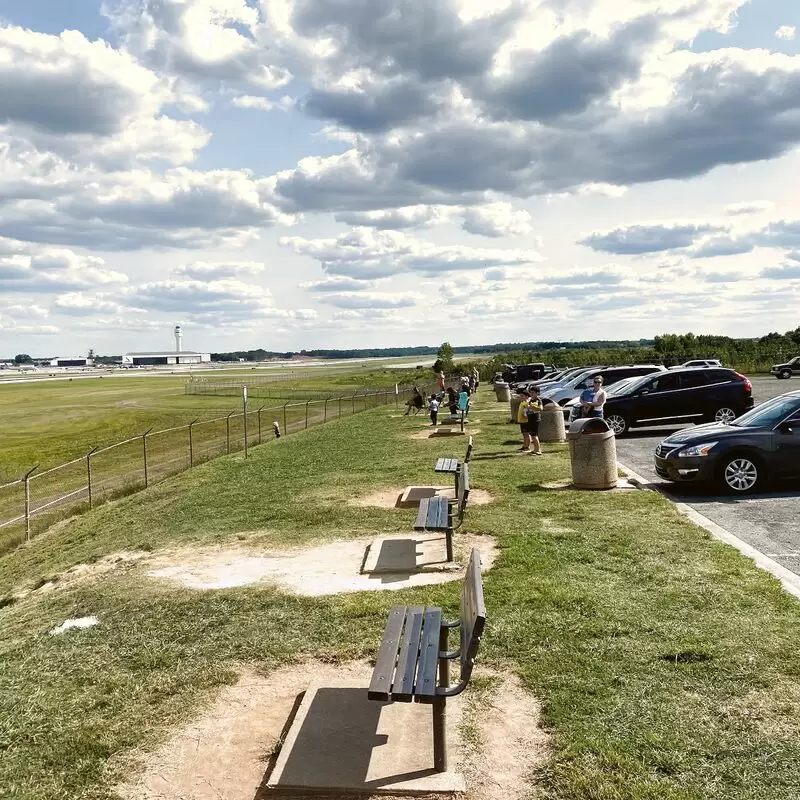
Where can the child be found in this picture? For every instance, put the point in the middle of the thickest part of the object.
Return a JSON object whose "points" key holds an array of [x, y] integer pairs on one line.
{"points": [[433, 405], [533, 412]]}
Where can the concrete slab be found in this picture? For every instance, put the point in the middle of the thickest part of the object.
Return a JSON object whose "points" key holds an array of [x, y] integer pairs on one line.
{"points": [[423, 552], [449, 432], [340, 741], [413, 495]]}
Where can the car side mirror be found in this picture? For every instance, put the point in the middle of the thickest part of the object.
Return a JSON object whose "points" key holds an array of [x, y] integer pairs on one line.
{"points": [[643, 391]]}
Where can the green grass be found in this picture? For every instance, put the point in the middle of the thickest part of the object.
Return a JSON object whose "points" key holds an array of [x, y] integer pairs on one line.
{"points": [[667, 665]]}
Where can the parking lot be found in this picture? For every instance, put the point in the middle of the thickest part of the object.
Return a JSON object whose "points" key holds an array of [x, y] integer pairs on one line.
{"points": [[769, 520]]}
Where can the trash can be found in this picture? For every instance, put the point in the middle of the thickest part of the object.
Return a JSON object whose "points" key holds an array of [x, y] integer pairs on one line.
{"points": [[552, 428], [503, 391], [592, 454]]}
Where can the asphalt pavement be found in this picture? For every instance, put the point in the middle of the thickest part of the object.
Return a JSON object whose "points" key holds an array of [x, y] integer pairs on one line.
{"points": [[768, 520]]}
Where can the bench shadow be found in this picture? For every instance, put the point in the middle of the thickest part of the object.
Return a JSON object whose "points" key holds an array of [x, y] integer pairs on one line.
{"points": [[333, 747], [532, 488], [492, 456]]}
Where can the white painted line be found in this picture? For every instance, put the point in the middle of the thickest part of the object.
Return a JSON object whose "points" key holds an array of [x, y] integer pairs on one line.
{"points": [[789, 580]]}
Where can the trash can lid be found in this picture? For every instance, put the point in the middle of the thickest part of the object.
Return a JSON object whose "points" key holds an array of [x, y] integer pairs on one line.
{"points": [[582, 427]]}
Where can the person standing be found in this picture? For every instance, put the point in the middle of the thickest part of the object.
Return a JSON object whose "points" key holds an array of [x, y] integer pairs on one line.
{"points": [[522, 419], [477, 376], [440, 380], [433, 405], [533, 412], [598, 401]]}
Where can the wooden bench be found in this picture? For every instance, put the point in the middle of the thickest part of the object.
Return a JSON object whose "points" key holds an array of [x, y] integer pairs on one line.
{"points": [[453, 464], [436, 513], [414, 649]]}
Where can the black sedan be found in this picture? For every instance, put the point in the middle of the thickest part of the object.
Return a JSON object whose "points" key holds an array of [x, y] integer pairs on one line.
{"points": [[741, 455]]}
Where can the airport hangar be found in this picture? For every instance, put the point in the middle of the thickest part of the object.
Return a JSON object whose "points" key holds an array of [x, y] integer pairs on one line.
{"points": [[164, 358]]}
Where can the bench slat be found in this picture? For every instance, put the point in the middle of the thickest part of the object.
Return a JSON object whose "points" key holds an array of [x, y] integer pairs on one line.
{"points": [[403, 689], [422, 514], [380, 687], [447, 465], [425, 689]]}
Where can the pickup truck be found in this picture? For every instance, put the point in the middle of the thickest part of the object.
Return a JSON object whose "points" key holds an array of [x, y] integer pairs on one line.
{"points": [[788, 369]]}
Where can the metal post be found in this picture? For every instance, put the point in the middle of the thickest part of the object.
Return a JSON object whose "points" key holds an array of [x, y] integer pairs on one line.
{"points": [[307, 402], [89, 474], [440, 709], [259, 422], [285, 426], [325, 413], [144, 456], [244, 405], [463, 411], [228, 433], [28, 503], [340, 408], [191, 443], [354, 402]]}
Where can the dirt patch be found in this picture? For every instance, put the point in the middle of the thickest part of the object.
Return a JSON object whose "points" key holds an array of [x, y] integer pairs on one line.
{"points": [[81, 573], [226, 753], [431, 433], [389, 498], [550, 526], [333, 568]]}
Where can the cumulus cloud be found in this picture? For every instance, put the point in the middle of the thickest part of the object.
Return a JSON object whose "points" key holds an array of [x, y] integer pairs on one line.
{"points": [[88, 102], [337, 283], [722, 246], [786, 32], [285, 103], [756, 207], [396, 219], [367, 254], [132, 210], [30, 269], [218, 270], [497, 219], [371, 300], [648, 237], [205, 42], [80, 304]]}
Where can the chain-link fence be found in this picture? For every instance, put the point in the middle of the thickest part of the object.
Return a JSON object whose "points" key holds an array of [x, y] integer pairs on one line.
{"points": [[36, 500]]}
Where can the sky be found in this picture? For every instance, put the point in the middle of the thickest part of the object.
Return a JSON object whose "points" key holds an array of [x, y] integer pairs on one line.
{"points": [[300, 174]]}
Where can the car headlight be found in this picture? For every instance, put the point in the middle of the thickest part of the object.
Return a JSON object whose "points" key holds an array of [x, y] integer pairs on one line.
{"points": [[696, 450]]}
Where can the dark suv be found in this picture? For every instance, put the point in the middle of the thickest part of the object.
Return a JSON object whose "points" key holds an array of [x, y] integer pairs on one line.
{"points": [[788, 369], [679, 396]]}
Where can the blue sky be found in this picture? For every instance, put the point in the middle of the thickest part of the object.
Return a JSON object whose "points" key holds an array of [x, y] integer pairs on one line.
{"points": [[327, 173]]}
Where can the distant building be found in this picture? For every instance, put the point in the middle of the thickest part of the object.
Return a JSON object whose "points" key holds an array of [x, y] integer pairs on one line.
{"points": [[169, 357], [70, 362]]}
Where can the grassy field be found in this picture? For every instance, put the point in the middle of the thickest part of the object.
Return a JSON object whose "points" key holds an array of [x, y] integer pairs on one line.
{"points": [[48, 423], [668, 666]]}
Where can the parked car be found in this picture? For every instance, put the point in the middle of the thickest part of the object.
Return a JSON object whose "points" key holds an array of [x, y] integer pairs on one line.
{"points": [[572, 407], [788, 369], [741, 455], [680, 396], [573, 387], [524, 372], [558, 379], [699, 362]]}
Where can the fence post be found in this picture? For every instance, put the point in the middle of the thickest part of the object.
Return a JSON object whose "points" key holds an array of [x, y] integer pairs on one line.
{"points": [[28, 503], [259, 423], [285, 426], [340, 408], [354, 402], [228, 433], [191, 443], [144, 456], [325, 412], [89, 474], [307, 402]]}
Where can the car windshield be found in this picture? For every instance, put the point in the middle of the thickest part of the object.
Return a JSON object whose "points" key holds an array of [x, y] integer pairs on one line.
{"points": [[619, 387], [769, 414], [795, 360]]}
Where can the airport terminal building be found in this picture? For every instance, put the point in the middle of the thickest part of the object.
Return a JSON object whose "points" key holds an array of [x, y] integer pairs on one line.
{"points": [[165, 358]]}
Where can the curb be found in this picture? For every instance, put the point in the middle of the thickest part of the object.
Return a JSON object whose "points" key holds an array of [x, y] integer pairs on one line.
{"points": [[789, 580]]}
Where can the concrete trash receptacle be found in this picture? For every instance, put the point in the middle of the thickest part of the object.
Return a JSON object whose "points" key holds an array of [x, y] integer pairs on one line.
{"points": [[503, 391], [552, 428], [514, 403], [592, 454]]}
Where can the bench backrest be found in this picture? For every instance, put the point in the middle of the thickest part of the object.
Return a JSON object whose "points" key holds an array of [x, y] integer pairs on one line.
{"points": [[469, 451], [462, 489], [473, 614]]}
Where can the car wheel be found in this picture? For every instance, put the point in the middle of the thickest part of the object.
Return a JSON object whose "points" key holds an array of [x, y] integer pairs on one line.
{"points": [[618, 424], [740, 474], [724, 415], [786, 373]]}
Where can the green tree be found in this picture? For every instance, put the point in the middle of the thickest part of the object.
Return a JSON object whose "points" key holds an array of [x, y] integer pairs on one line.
{"points": [[23, 358], [444, 359]]}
